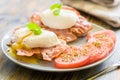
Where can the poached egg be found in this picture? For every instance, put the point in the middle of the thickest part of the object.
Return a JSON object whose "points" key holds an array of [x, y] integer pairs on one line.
{"points": [[65, 19], [27, 38]]}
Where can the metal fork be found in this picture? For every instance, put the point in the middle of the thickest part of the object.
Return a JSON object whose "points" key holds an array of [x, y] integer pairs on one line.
{"points": [[106, 70]]}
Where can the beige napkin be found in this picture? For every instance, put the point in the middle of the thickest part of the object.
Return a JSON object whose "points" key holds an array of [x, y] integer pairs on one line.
{"points": [[106, 11], [108, 3]]}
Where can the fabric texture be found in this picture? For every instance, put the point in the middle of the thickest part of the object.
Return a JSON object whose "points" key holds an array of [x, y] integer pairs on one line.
{"points": [[108, 3], [106, 10]]}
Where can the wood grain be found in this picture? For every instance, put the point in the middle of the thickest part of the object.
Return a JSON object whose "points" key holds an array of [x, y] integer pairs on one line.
{"points": [[17, 12]]}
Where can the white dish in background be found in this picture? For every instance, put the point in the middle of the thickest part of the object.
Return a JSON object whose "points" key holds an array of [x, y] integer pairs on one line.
{"points": [[48, 66]]}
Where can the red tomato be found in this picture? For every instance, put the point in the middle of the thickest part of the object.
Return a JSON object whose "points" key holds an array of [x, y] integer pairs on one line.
{"points": [[91, 51], [106, 37], [99, 45], [71, 58], [101, 34], [106, 46], [104, 41]]}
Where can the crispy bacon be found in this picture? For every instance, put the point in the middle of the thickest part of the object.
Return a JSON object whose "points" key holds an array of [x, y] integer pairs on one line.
{"points": [[53, 52], [31, 52], [46, 53], [64, 34], [81, 28]]}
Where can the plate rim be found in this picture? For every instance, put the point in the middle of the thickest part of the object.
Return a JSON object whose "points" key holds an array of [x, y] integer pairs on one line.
{"points": [[53, 69]]}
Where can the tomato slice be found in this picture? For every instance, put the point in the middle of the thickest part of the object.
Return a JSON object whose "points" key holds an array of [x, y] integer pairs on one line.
{"points": [[98, 49], [104, 41], [90, 50], [105, 46], [99, 45], [101, 34], [71, 58], [106, 37]]}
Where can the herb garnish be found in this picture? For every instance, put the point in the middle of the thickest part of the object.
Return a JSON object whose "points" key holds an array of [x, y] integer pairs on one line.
{"points": [[35, 28], [56, 8]]}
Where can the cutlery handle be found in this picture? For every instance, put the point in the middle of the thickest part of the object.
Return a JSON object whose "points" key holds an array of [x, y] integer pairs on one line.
{"points": [[110, 68]]}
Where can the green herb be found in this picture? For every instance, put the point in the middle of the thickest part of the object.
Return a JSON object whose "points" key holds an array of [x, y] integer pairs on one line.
{"points": [[56, 9], [35, 28]]}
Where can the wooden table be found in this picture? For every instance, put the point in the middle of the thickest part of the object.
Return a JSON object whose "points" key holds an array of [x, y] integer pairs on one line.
{"points": [[17, 12]]}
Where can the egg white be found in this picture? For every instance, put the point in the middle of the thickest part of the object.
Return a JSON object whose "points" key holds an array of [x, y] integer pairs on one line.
{"points": [[64, 20]]}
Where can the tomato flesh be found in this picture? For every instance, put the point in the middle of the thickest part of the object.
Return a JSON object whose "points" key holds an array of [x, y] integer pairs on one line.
{"points": [[101, 34], [91, 51], [104, 41], [71, 58], [99, 45]]}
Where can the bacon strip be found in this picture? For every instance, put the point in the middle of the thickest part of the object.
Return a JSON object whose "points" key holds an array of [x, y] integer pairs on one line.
{"points": [[31, 52], [53, 52], [81, 28], [46, 53]]}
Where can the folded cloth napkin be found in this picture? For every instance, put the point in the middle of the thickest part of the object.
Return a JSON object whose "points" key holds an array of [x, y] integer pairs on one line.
{"points": [[108, 3], [110, 12]]}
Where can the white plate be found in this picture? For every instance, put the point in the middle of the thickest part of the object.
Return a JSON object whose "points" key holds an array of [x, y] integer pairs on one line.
{"points": [[47, 66]]}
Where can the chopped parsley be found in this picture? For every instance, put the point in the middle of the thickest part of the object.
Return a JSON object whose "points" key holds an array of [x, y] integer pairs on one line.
{"points": [[35, 28], [56, 8]]}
